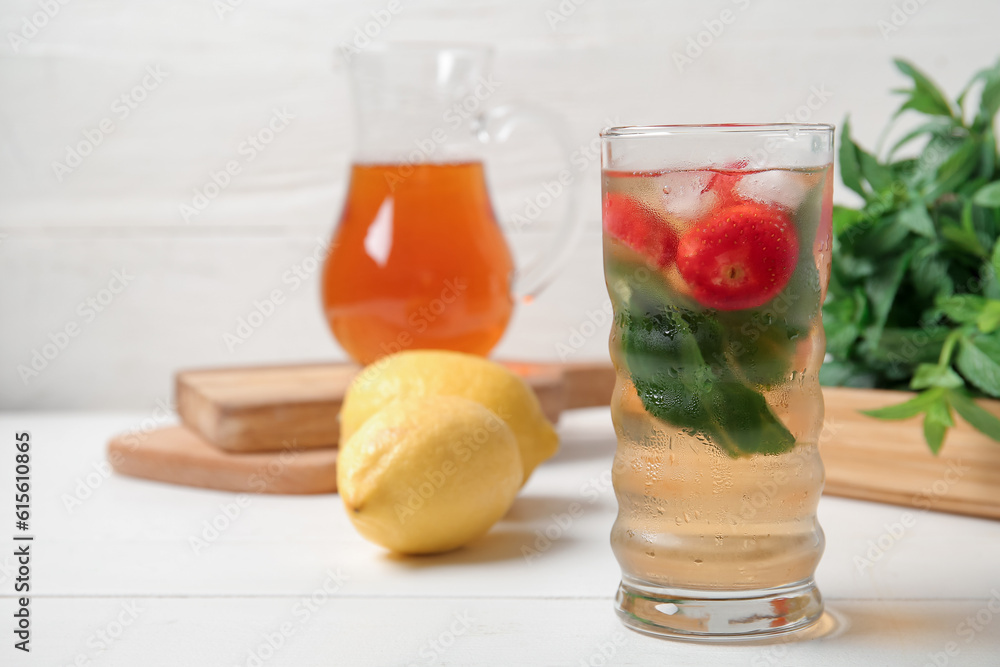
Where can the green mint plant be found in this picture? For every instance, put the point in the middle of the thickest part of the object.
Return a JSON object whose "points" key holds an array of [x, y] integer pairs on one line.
{"points": [[914, 294]]}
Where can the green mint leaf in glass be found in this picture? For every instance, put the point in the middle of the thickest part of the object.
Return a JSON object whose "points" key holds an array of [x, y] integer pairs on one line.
{"points": [[672, 355], [743, 422]]}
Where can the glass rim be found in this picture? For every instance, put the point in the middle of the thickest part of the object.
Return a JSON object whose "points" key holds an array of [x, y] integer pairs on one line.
{"points": [[623, 131]]}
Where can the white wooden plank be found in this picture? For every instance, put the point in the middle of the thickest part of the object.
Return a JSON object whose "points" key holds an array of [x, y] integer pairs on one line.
{"points": [[187, 294], [606, 60], [340, 629], [132, 537]]}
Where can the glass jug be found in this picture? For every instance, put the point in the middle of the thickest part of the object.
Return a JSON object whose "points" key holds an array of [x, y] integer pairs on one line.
{"points": [[418, 259]]}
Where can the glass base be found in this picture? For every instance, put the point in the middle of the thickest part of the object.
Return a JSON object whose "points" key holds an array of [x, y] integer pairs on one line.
{"points": [[718, 615]]}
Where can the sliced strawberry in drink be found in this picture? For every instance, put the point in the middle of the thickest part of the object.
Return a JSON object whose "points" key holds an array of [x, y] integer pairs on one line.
{"points": [[739, 257], [724, 182], [640, 228]]}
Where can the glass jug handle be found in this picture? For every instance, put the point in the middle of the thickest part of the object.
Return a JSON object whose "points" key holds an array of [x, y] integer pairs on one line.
{"points": [[496, 126]]}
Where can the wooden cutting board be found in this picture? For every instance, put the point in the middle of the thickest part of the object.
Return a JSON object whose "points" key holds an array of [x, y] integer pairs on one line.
{"points": [[888, 461], [176, 455], [272, 408], [274, 429], [263, 410]]}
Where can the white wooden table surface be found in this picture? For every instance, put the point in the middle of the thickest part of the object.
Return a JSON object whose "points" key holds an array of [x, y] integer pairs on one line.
{"points": [[117, 580]]}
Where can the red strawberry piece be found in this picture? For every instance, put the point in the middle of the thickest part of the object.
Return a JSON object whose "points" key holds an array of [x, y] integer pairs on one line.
{"points": [[739, 257], [640, 228], [724, 181], [781, 606]]}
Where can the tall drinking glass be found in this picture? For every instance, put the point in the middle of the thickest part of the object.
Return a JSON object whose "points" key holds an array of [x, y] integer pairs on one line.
{"points": [[717, 257]]}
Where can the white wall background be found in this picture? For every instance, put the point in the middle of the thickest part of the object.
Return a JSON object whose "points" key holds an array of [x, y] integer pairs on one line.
{"points": [[225, 71]]}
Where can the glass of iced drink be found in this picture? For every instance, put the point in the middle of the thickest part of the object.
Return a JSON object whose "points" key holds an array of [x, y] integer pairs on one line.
{"points": [[717, 257]]}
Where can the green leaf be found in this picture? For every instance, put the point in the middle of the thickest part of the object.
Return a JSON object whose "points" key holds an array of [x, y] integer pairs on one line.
{"points": [[875, 173], [760, 344], [989, 319], [989, 101], [977, 366], [989, 344], [988, 156], [850, 166], [925, 96], [934, 432], [984, 75], [881, 289], [937, 213], [988, 196], [884, 236], [845, 218], [922, 345], [937, 421], [940, 411], [853, 268], [955, 169], [932, 375], [962, 308], [929, 273], [846, 374], [842, 321], [910, 408], [980, 419], [916, 218], [965, 239], [934, 127], [989, 98], [676, 359], [995, 259]]}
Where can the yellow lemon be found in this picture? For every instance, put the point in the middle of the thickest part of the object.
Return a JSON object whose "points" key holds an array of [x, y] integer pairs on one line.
{"points": [[427, 475], [440, 373]]}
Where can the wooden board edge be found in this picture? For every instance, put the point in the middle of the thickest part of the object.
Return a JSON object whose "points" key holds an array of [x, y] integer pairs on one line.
{"points": [[286, 481]]}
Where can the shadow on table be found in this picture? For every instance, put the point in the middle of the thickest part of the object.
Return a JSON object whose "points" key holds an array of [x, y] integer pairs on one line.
{"points": [[501, 543], [539, 509], [857, 623], [870, 622], [832, 624], [533, 528]]}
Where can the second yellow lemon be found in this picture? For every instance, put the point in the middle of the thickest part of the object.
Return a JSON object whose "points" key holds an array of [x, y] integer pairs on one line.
{"points": [[422, 373]]}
